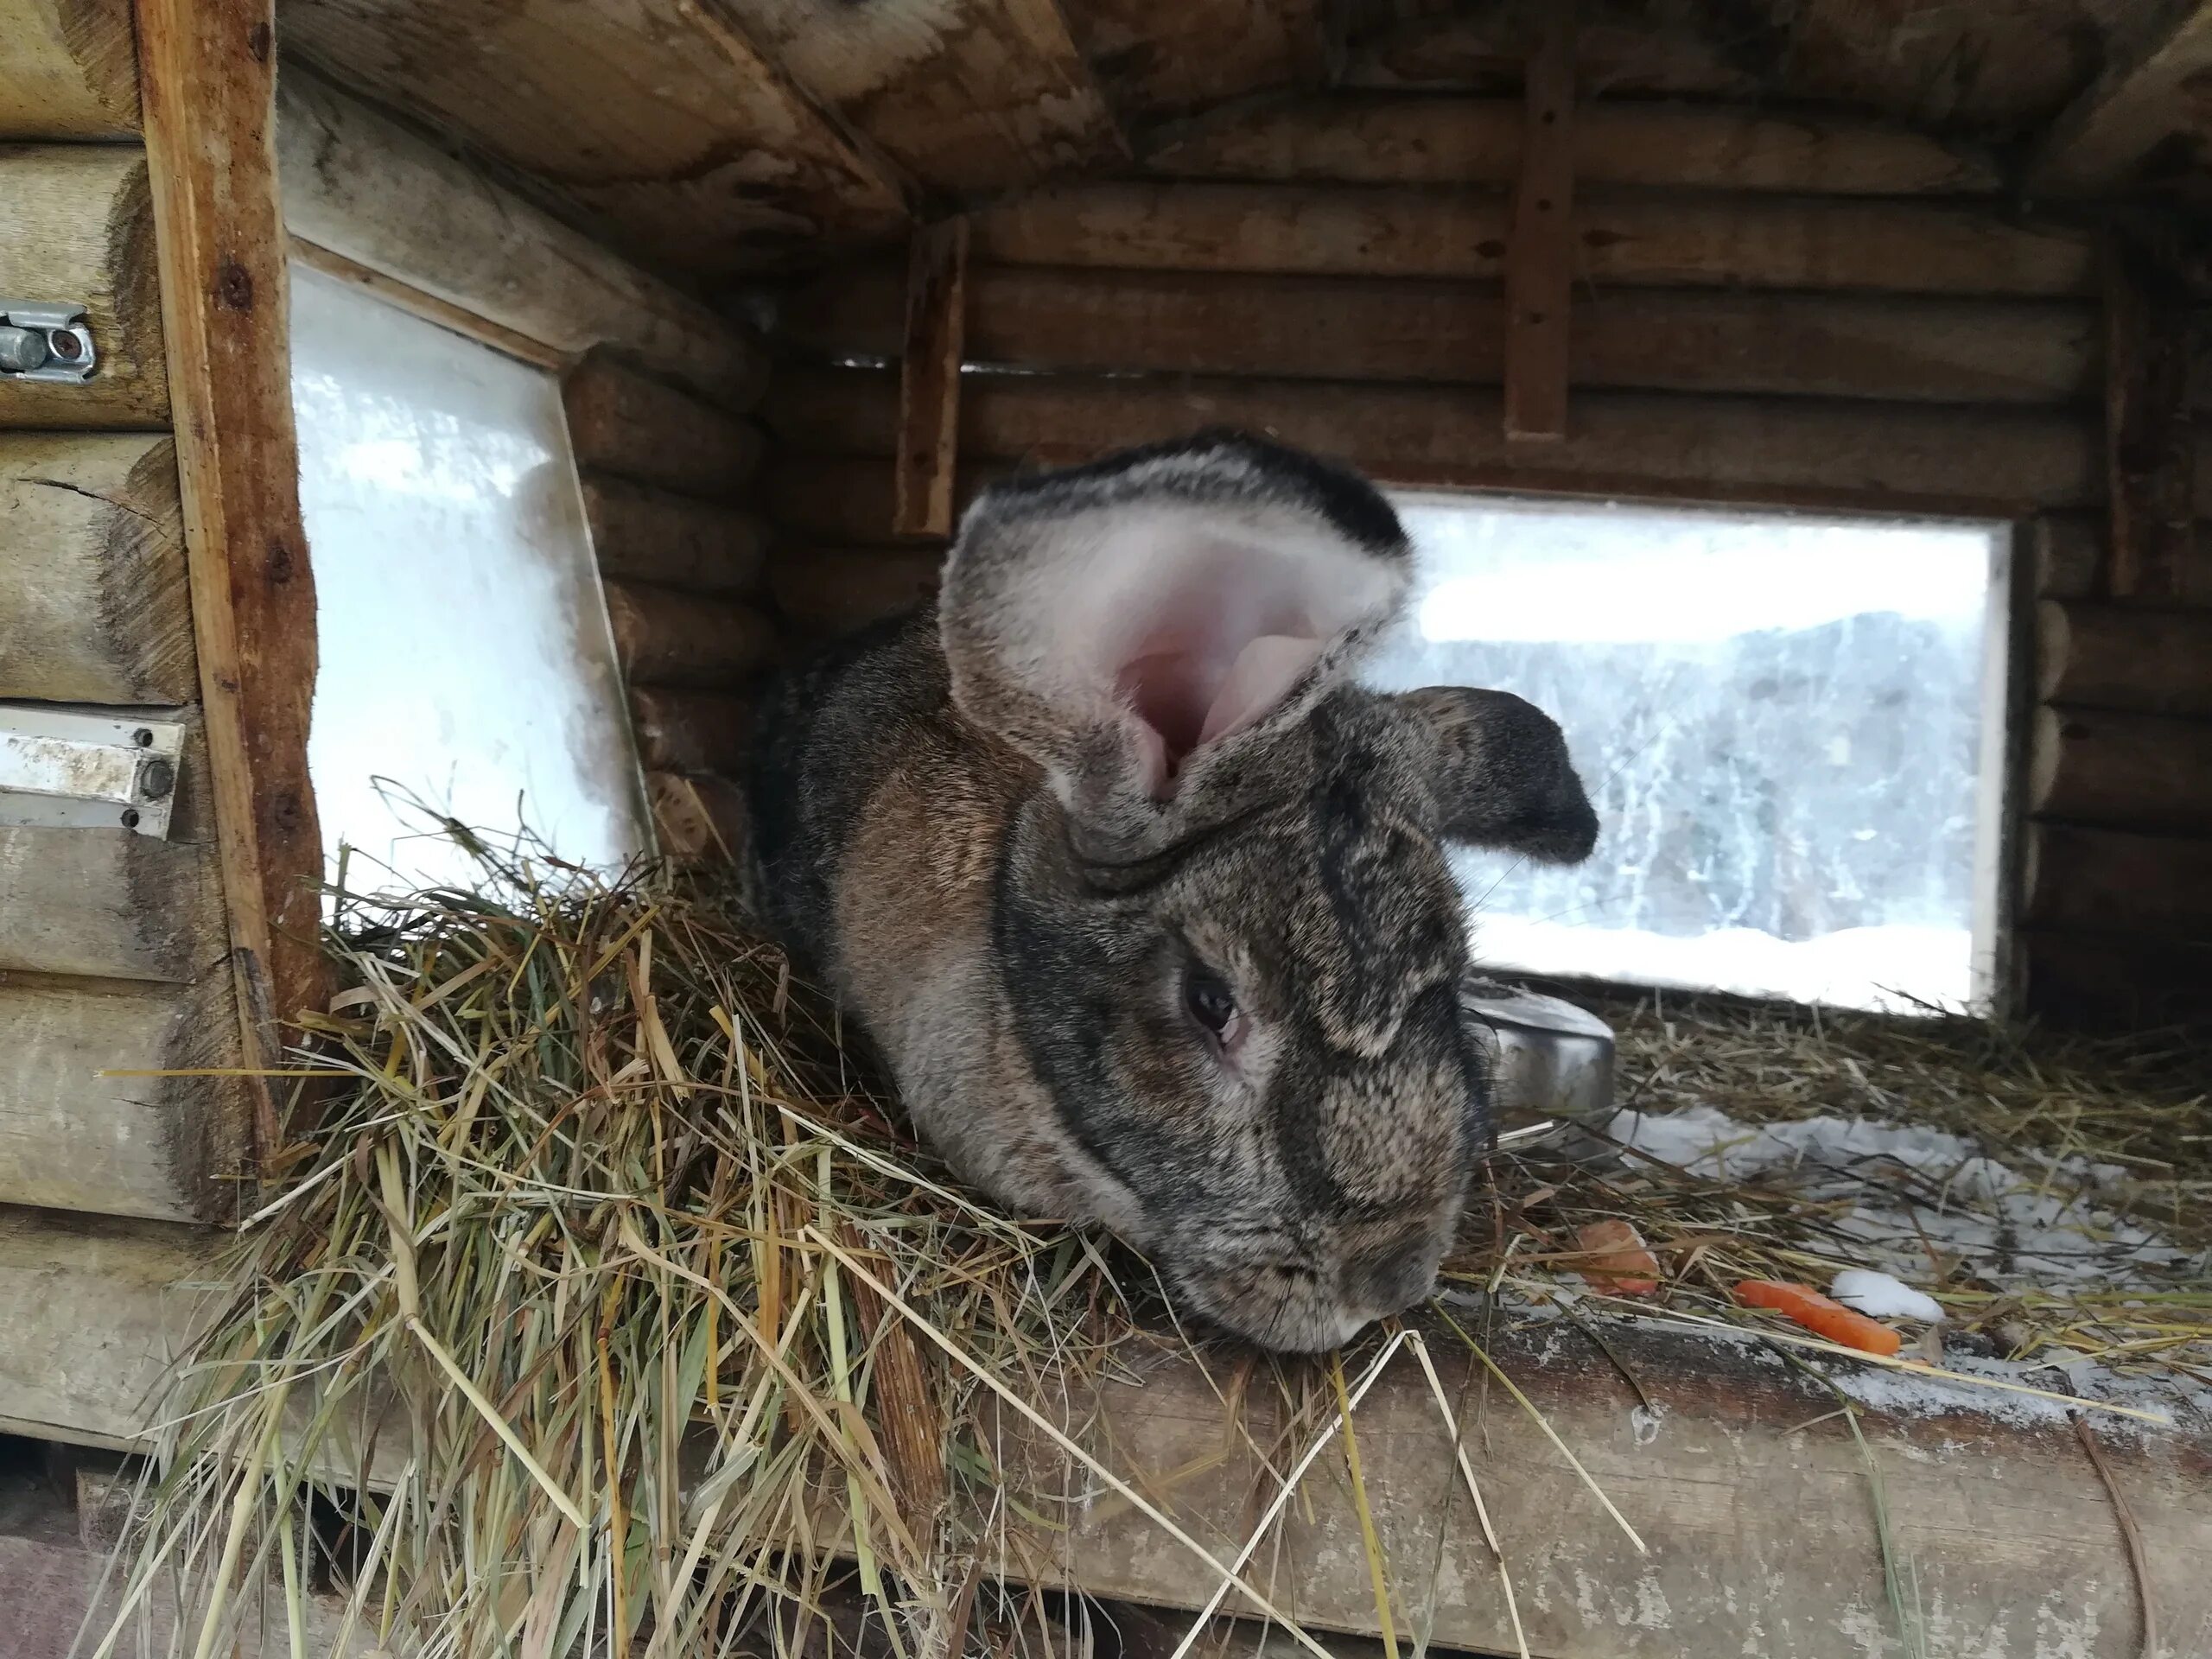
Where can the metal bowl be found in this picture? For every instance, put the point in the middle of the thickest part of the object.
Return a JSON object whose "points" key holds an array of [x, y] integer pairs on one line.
{"points": [[1547, 1056]]}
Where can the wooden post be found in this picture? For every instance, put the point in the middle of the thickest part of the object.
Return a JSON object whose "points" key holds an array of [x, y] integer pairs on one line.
{"points": [[208, 73], [2147, 444], [1540, 257], [929, 379]]}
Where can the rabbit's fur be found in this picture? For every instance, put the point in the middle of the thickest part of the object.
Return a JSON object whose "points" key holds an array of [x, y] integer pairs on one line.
{"points": [[1038, 837]]}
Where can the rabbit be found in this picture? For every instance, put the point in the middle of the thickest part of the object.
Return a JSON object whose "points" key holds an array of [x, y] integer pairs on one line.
{"points": [[1144, 901]]}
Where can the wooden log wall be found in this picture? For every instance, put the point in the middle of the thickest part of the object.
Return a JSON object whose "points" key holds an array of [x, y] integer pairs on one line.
{"points": [[1808, 312]]}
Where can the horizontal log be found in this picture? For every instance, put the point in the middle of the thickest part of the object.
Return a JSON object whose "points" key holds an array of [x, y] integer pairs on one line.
{"points": [[697, 819], [80, 228], [161, 1147], [94, 603], [846, 500], [1900, 247], [665, 636], [1354, 138], [365, 189], [627, 423], [71, 70], [2066, 552], [822, 590], [691, 731], [1800, 450], [1352, 328], [2093, 656], [2114, 881], [649, 535], [2096, 981], [2129, 770]]}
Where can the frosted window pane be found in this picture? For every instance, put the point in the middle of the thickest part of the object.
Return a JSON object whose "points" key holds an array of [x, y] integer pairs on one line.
{"points": [[465, 657], [1783, 723]]}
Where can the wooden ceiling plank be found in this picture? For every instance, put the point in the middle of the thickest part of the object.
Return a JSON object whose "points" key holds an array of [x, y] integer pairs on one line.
{"points": [[1161, 59], [2148, 94], [929, 380]]}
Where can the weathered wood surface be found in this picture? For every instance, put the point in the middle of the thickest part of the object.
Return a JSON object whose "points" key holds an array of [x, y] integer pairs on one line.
{"points": [[94, 601], [361, 186], [933, 349], [1366, 139], [80, 227], [1352, 328], [823, 590], [963, 96], [2150, 455], [2093, 656], [71, 70], [845, 501], [658, 116], [2115, 881], [2149, 93], [627, 423], [2107, 982], [208, 69], [2128, 770], [649, 535], [1618, 53], [1162, 58], [421, 302], [1904, 247], [698, 820], [2003, 461], [1540, 248], [665, 636], [71, 1139], [2067, 551], [691, 731]]}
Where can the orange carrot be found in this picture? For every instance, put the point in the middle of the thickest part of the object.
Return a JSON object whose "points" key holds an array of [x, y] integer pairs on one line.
{"points": [[1820, 1316], [1619, 1261]]}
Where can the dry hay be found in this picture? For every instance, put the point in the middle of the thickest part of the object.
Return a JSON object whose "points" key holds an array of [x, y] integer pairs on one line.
{"points": [[605, 1258]]}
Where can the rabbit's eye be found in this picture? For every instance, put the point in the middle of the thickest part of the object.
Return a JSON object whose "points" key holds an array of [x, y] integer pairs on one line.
{"points": [[1207, 996]]}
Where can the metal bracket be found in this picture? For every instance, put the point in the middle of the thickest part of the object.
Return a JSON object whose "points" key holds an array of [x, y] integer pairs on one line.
{"points": [[75, 769], [43, 341]]}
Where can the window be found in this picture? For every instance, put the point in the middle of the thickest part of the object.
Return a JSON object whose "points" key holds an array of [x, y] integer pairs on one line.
{"points": [[465, 657], [1790, 727]]}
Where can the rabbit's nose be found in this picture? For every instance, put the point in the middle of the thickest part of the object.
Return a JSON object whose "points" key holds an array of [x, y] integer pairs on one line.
{"points": [[1393, 1283]]}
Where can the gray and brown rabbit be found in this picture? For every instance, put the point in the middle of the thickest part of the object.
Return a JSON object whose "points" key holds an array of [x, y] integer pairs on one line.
{"points": [[1144, 900]]}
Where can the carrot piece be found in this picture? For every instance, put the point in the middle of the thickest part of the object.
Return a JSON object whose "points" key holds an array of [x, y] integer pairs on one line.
{"points": [[1619, 1260], [1820, 1316]]}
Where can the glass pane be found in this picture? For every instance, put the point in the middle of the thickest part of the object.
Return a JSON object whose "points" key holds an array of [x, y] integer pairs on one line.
{"points": [[466, 659], [1783, 723]]}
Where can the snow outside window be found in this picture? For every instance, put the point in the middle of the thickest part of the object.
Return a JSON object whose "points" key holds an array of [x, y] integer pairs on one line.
{"points": [[1790, 727]]}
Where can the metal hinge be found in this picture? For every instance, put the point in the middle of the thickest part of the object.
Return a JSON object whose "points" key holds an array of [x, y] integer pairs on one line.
{"points": [[42, 341], [74, 769]]}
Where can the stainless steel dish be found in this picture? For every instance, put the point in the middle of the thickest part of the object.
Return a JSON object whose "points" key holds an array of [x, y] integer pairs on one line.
{"points": [[1547, 1056]]}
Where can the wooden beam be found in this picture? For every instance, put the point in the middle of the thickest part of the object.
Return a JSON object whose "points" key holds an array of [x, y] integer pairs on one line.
{"points": [[698, 820], [2067, 551], [1158, 61], [847, 501], [827, 591], [663, 637], [633, 426], [929, 379], [2117, 881], [209, 69], [2131, 656], [1539, 255], [71, 70], [2125, 770], [2149, 450], [650, 535], [2146, 94], [420, 302], [2103, 982], [691, 731]]}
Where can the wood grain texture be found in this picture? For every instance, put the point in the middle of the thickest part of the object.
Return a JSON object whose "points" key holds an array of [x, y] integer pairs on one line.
{"points": [[2101, 982], [2148, 93], [2150, 456], [931, 350], [1353, 329], [698, 820], [964, 96], [1158, 58], [691, 731], [1622, 53], [2067, 551], [2117, 882], [628, 423], [1540, 250], [1783, 242], [845, 501], [657, 115], [95, 604], [71, 70], [2125, 770], [208, 69], [1354, 138], [833, 590], [360, 186], [650, 535], [2129, 657], [80, 228], [665, 636]]}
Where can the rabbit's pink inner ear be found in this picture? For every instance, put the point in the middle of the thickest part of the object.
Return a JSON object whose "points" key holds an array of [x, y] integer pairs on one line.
{"points": [[1261, 677], [1198, 678]]}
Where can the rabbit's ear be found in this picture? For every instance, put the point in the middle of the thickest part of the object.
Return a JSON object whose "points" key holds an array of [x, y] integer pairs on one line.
{"points": [[1501, 773], [1125, 624]]}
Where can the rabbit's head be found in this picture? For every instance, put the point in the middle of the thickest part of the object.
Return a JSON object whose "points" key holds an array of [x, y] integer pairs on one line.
{"points": [[1226, 935]]}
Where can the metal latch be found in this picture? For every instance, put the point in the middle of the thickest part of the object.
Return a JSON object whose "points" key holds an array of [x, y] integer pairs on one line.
{"points": [[75, 769], [41, 342]]}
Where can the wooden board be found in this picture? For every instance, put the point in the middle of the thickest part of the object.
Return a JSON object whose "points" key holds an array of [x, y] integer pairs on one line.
{"points": [[1162, 58], [845, 501], [71, 1139], [360, 186], [697, 820], [2000, 462], [649, 535], [71, 70], [1351, 328], [1365, 139], [208, 71], [2067, 551], [2128, 770], [823, 590], [2150, 456], [2098, 981], [2146, 96], [932, 349], [691, 731], [1620, 55], [2093, 656], [94, 605], [964, 96], [665, 636], [1883, 247], [1540, 253], [2114, 882], [655, 115], [80, 228], [635, 427]]}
